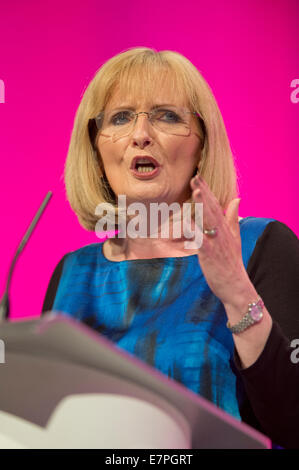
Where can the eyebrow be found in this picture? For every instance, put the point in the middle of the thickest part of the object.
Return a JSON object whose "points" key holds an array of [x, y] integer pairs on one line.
{"points": [[153, 107]]}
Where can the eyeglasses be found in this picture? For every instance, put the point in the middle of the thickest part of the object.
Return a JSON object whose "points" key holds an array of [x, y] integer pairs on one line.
{"points": [[117, 124]]}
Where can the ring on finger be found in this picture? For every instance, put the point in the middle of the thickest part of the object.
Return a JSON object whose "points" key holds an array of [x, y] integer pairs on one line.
{"points": [[211, 232]]}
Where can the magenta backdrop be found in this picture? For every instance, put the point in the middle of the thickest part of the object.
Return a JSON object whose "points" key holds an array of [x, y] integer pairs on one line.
{"points": [[246, 49]]}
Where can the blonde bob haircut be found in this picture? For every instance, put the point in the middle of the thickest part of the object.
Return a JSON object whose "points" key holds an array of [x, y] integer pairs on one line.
{"points": [[85, 179]]}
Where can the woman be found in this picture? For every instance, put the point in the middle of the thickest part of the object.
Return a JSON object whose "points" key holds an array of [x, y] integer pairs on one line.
{"points": [[218, 318]]}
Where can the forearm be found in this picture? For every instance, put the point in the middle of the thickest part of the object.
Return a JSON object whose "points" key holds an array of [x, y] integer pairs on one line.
{"points": [[251, 342], [271, 381], [271, 385]]}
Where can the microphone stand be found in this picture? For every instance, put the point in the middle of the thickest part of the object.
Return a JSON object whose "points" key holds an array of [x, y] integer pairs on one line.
{"points": [[4, 304]]}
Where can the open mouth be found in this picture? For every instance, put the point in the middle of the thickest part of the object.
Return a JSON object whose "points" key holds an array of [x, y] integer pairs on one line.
{"points": [[145, 166]]}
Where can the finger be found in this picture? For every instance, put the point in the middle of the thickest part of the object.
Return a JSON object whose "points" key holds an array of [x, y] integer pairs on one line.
{"points": [[231, 216], [210, 220], [194, 183], [211, 207]]}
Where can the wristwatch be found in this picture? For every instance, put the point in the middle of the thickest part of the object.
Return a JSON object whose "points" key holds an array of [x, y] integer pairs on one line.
{"points": [[253, 315]]}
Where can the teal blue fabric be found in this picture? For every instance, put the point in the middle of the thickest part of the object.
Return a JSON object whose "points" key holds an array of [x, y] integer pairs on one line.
{"points": [[162, 311]]}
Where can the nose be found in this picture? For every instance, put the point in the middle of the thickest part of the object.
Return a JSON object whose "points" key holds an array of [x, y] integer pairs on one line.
{"points": [[142, 130], [142, 122]]}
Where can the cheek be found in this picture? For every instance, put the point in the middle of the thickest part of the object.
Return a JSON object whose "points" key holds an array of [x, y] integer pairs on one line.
{"points": [[108, 156], [116, 183], [183, 150], [183, 158]]}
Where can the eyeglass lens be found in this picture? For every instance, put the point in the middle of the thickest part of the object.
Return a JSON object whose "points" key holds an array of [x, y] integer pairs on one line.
{"points": [[120, 123]]}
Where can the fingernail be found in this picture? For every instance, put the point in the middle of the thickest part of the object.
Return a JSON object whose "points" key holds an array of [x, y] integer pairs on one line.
{"points": [[195, 180]]}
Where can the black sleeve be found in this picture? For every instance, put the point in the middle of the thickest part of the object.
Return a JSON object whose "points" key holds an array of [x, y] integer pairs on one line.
{"points": [[52, 287], [274, 270], [272, 382]]}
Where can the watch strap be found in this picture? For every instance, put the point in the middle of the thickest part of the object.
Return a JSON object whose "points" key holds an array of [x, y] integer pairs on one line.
{"points": [[253, 315]]}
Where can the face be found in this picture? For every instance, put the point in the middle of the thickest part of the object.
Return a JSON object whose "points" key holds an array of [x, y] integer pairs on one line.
{"points": [[177, 156]]}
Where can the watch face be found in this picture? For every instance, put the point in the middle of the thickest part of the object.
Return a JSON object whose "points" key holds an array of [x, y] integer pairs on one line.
{"points": [[256, 313]]}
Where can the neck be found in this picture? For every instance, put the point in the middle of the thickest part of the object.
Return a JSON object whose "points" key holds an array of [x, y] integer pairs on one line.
{"points": [[145, 248], [165, 240]]}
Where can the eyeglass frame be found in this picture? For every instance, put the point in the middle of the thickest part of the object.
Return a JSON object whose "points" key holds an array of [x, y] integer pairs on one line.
{"points": [[93, 126]]}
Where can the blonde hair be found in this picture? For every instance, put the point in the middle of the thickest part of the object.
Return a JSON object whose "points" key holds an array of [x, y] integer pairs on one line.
{"points": [[85, 181]]}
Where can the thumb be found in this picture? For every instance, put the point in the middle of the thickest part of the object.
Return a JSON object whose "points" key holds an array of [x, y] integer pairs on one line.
{"points": [[231, 215]]}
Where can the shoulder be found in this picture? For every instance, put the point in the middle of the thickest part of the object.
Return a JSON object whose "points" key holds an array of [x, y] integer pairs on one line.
{"points": [[88, 254], [254, 224], [276, 251], [260, 233], [87, 249], [251, 229], [70, 263], [268, 230], [274, 271]]}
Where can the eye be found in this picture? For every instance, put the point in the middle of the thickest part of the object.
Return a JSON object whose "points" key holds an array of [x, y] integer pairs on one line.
{"points": [[118, 118], [170, 116]]}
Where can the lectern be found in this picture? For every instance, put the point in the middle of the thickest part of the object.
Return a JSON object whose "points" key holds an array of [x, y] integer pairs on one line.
{"points": [[63, 385]]}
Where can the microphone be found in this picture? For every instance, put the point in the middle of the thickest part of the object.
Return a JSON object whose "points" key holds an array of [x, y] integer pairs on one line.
{"points": [[4, 304]]}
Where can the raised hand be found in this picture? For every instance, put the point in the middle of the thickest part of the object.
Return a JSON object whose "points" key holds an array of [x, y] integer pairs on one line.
{"points": [[220, 255]]}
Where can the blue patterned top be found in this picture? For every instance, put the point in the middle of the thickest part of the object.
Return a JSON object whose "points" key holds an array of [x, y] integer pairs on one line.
{"points": [[162, 311]]}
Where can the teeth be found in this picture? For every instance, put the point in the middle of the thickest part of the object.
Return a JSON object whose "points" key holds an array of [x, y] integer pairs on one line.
{"points": [[144, 169]]}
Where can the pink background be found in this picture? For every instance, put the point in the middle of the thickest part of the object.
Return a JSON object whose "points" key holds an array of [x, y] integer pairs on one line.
{"points": [[246, 49]]}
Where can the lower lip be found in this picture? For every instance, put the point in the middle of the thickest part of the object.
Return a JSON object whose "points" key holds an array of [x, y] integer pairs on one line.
{"points": [[147, 174]]}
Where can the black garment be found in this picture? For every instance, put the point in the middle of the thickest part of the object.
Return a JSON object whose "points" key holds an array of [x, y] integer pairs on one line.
{"points": [[271, 383]]}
